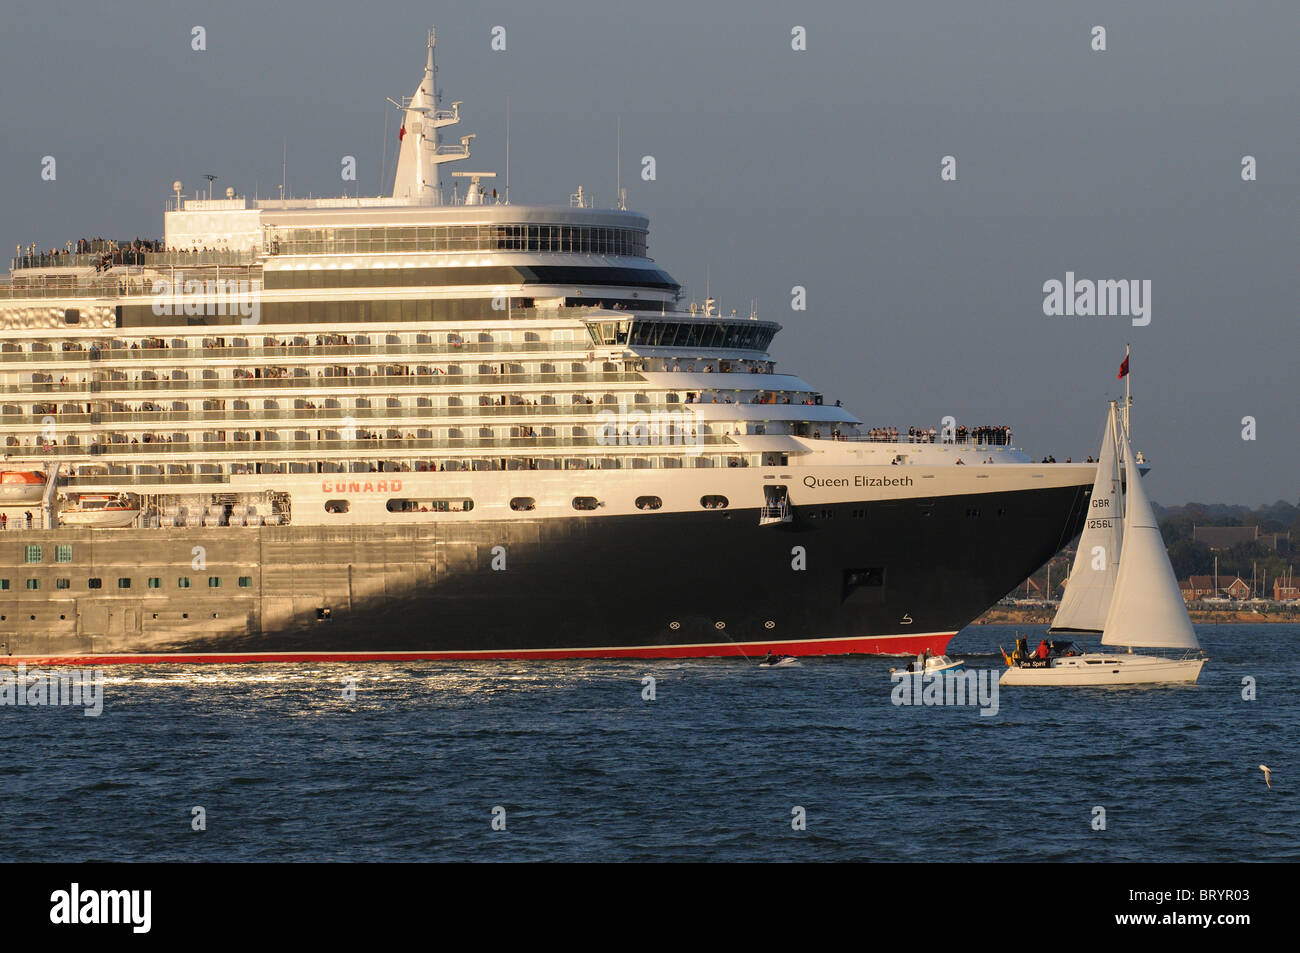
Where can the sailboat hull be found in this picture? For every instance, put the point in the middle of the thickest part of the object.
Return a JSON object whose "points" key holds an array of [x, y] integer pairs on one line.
{"points": [[1107, 668]]}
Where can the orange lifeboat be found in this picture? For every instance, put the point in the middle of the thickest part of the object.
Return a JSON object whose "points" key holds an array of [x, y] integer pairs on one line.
{"points": [[21, 486], [101, 511]]}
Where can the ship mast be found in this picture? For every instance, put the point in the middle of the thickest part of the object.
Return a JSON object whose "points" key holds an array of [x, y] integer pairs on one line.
{"points": [[421, 150]]}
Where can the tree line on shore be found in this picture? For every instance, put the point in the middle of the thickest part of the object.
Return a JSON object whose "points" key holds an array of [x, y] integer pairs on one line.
{"points": [[1257, 562], [1191, 557]]}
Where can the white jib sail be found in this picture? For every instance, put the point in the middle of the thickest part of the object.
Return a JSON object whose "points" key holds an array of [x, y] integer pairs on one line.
{"points": [[1147, 609], [1092, 577]]}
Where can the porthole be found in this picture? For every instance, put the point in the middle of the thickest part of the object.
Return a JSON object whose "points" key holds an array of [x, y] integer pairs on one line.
{"points": [[714, 502], [648, 503], [585, 503], [522, 504], [337, 506]]}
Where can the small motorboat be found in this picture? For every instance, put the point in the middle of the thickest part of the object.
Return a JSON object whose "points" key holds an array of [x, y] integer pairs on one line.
{"points": [[101, 512], [933, 664], [771, 661]]}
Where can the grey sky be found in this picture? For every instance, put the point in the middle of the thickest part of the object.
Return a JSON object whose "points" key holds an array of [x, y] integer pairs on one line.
{"points": [[779, 168]]}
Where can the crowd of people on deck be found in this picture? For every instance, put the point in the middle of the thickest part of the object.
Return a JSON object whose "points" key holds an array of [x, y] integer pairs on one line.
{"points": [[963, 434], [106, 253]]}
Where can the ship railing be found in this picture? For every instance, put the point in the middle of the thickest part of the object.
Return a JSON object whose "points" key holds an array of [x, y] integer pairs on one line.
{"points": [[368, 445], [124, 256], [959, 440], [60, 288], [144, 479], [323, 417], [285, 352], [224, 386], [125, 284], [194, 259]]}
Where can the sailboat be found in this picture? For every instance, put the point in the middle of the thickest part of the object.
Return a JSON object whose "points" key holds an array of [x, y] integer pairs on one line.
{"points": [[1121, 585], [1091, 583]]}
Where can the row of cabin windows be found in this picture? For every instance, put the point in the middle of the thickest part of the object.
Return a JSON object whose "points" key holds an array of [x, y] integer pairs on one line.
{"points": [[520, 504], [124, 582]]}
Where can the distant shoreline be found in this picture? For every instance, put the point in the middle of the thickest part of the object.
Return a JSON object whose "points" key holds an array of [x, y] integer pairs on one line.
{"points": [[1004, 615]]}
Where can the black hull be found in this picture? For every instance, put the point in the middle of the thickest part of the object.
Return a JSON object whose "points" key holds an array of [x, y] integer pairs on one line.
{"points": [[881, 577]]}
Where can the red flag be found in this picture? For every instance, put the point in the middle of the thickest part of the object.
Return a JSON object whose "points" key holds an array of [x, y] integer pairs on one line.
{"points": [[401, 133], [1123, 370]]}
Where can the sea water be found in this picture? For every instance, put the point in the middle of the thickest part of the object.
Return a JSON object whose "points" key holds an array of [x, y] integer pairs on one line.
{"points": [[713, 759]]}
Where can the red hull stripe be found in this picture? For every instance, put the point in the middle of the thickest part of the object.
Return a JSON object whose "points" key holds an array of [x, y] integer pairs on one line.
{"points": [[936, 642]]}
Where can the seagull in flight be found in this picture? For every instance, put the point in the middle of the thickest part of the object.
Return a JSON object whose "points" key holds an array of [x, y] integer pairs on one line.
{"points": [[1267, 775]]}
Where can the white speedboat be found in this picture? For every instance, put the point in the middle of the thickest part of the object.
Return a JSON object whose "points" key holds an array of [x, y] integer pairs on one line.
{"points": [[935, 664], [1125, 584], [101, 512], [771, 661]]}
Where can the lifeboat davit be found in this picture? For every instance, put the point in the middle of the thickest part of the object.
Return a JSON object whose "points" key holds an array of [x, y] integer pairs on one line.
{"points": [[21, 486]]}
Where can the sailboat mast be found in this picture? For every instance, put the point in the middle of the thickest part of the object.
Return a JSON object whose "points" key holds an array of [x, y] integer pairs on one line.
{"points": [[1128, 395], [1119, 428]]}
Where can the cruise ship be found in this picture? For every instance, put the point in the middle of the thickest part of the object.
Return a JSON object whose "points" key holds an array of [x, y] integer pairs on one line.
{"points": [[439, 425]]}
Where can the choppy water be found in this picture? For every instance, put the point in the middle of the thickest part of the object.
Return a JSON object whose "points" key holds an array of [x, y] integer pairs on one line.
{"points": [[288, 768]]}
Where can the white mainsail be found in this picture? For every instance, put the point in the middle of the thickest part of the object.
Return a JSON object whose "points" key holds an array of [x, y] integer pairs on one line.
{"points": [[1147, 609], [1092, 577]]}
